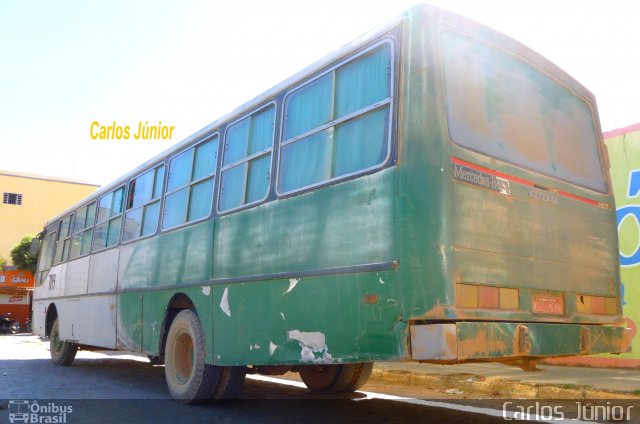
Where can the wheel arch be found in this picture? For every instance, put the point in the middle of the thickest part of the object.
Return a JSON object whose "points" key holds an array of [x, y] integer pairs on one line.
{"points": [[177, 303], [51, 315]]}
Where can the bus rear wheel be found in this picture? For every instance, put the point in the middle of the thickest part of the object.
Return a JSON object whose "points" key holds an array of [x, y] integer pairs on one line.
{"points": [[340, 378], [62, 353], [189, 379]]}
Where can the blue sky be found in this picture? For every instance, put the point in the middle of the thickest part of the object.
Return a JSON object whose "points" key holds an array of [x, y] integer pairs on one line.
{"points": [[66, 64]]}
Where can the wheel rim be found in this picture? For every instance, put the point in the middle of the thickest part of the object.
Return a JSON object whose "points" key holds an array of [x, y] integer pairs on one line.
{"points": [[183, 357], [320, 377], [56, 343]]}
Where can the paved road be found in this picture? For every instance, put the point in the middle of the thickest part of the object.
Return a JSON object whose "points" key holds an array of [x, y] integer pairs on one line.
{"points": [[113, 387]]}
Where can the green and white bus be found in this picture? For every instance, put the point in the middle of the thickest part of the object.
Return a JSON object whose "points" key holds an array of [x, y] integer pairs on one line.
{"points": [[434, 191]]}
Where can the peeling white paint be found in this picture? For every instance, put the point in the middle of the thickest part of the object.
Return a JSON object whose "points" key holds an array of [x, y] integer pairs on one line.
{"points": [[381, 281], [292, 284], [306, 354], [272, 347], [256, 346], [224, 303], [311, 342], [206, 290], [282, 315]]}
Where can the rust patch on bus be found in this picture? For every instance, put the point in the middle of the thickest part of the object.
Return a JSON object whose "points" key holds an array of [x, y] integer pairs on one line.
{"points": [[521, 341], [437, 311], [485, 344]]}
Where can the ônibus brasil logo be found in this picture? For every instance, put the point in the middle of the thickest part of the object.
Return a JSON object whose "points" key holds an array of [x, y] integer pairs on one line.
{"points": [[25, 411]]}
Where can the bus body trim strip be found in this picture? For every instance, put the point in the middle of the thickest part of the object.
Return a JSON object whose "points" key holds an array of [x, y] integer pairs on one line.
{"points": [[341, 270], [526, 182]]}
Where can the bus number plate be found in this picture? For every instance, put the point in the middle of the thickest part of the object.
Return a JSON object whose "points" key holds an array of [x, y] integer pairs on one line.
{"points": [[548, 304]]}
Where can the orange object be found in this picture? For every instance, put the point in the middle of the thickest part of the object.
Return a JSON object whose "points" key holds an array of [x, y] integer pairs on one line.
{"points": [[16, 288]]}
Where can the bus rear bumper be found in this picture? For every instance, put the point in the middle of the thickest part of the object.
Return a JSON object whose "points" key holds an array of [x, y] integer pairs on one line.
{"points": [[472, 341]]}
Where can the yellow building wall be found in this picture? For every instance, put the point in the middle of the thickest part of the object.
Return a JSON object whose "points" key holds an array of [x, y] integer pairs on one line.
{"points": [[42, 199]]}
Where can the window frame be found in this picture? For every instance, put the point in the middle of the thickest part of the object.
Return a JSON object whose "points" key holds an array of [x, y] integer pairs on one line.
{"points": [[608, 189], [7, 196], [95, 217], [169, 160], [390, 101], [38, 275], [247, 159], [160, 201], [54, 235], [63, 240], [121, 214]]}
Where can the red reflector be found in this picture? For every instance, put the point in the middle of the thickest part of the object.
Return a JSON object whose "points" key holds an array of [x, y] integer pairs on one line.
{"points": [[597, 305], [370, 299], [488, 297]]}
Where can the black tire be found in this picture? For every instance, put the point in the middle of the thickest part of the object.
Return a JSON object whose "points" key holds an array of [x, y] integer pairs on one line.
{"points": [[14, 328], [62, 353], [230, 383], [155, 360], [340, 378], [189, 379]]}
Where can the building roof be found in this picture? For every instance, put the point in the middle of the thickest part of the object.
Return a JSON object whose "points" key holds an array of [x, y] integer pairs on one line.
{"points": [[46, 178], [621, 131]]}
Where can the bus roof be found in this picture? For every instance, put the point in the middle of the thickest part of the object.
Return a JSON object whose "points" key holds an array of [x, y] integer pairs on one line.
{"points": [[348, 48], [245, 107]]}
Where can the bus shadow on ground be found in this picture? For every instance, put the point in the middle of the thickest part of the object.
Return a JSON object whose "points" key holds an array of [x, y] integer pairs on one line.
{"points": [[109, 390]]}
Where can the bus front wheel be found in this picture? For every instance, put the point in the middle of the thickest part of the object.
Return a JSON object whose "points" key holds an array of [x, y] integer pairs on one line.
{"points": [[62, 353], [189, 378], [336, 378]]}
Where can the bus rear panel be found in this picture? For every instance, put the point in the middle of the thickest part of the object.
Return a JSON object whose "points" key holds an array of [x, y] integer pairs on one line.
{"points": [[526, 245]]}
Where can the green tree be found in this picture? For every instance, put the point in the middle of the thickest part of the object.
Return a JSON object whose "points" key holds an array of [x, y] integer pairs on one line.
{"points": [[21, 256], [3, 263]]}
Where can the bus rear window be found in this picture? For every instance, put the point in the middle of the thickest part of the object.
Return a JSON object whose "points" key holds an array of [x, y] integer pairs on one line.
{"points": [[501, 106]]}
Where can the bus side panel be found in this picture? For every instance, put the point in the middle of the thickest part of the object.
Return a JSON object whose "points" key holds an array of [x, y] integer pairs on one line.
{"points": [[347, 224], [103, 271], [139, 267], [53, 284], [329, 319], [77, 276], [424, 203], [89, 320], [129, 325], [179, 256], [39, 317], [154, 306]]}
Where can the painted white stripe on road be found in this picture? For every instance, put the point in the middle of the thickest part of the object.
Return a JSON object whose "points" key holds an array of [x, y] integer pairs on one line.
{"points": [[507, 415]]}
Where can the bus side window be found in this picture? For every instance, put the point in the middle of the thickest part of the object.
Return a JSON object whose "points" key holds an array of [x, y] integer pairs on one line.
{"points": [[338, 124], [82, 231], [63, 243], [246, 163], [143, 204], [189, 192], [109, 221], [46, 256]]}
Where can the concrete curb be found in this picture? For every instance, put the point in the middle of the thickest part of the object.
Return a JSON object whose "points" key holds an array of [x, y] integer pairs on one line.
{"points": [[494, 387]]}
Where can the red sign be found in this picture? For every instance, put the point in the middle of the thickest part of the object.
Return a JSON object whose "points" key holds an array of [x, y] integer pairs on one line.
{"points": [[548, 304], [15, 299]]}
